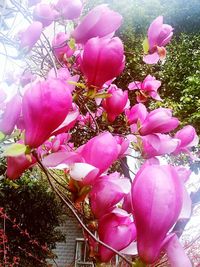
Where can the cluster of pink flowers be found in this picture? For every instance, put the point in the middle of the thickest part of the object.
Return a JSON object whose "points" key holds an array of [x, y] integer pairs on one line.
{"points": [[129, 214]]}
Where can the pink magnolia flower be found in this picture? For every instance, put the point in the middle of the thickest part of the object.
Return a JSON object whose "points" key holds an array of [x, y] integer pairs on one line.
{"points": [[30, 36], [159, 121], [45, 14], [176, 253], [158, 144], [99, 22], [117, 230], [123, 145], [100, 151], [60, 46], [159, 35], [115, 104], [45, 106], [64, 75], [69, 9], [146, 88], [137, 113], [17, 165], [188, 138], [102, 60], [106, 192], [69, 121], [157, 197], [10, 115]]}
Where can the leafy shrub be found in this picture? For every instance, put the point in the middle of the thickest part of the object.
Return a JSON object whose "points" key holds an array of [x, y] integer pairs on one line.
{"points": [[33, 207]]}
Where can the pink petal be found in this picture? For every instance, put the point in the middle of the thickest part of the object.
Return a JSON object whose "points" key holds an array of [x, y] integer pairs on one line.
{"points": [[154, 31], [135, 85], [151, 58], [58, 158], [176, 254], [83, 172]]}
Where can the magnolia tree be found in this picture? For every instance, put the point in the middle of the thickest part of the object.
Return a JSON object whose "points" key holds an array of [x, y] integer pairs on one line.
{"points": [[69, 118]]}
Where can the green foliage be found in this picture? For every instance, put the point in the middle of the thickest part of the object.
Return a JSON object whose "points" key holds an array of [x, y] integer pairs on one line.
{"points": [[181, 80], [35, 208]]}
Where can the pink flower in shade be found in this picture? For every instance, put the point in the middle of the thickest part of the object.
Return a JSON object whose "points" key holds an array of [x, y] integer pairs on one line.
{"points": [[69, 121], [188, 138], [117, 230], [10, 115], [106, 192], [115, 104], [45, 14], [60, 46], [157, 198], [159, 121], [158, 144], [69, 9], [147, 88], [99, 22], [30, 36], [159, 35], [17, 165], [100, 151], [45, 106], [64, 75], [123, 145], [137, 113], [102, 60]]}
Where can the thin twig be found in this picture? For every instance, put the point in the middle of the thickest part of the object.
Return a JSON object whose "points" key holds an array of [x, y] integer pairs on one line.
{"points": [[77, 217]]}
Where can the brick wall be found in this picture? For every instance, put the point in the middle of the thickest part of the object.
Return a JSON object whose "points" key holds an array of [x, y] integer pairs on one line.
{"points": [[65, 250]]}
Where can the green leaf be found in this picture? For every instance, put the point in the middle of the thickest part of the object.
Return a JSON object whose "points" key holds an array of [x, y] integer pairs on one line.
{"points": [[145, 45], [71, 43], [103, 95], [81, 85], [2, 136], [15, 150]]}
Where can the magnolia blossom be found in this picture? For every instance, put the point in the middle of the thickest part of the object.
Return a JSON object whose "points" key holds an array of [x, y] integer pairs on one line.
{"points": [[158, 144], [61, 47], [44, 13], [69, 9], [102, 60], [146, 88], [30, 36], [64, 75], [123, 145], [100, 151], [157, 198], [188, 138], [17, 165], [137, 114], [159, 121], [45, 106], [159, 35], [11, 114], [117, 230], [107, 192], [115, 104], [99, 22]]}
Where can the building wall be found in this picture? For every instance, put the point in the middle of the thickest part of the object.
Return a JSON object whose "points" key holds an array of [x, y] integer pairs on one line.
{"points": [[65, 251]]}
